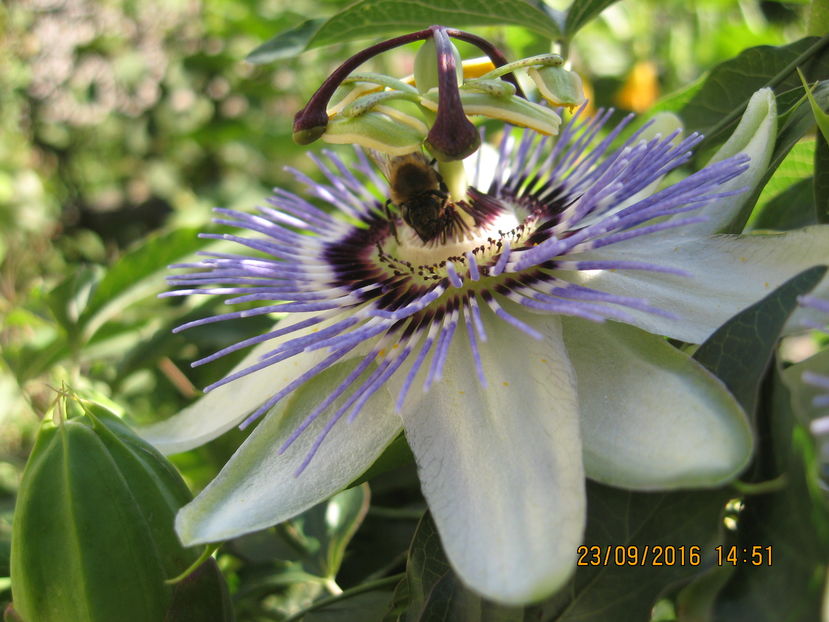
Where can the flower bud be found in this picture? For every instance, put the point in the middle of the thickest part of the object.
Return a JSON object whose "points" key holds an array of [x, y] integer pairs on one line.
{"points": [[93, 537], [426, 66], [386, 129], [558, 85]]}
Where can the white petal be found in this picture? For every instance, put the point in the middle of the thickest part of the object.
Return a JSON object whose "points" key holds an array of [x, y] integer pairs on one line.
{"points": [[652, 417], [501, 466], [727, 274], [258, 487], [755, 137], [227, 406]]}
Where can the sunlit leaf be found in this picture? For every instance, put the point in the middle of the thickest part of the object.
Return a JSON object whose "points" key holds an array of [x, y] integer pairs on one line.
{"points": [[791, 209], [795, 167]]}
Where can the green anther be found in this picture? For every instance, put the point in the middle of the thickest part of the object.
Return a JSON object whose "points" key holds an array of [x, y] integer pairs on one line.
{"points": [[496, 88], [381, 80], [542, 60], [514, 110], [366, 103]]}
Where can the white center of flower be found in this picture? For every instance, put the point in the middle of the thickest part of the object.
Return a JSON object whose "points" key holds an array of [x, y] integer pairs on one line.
{"points": [[485, 242]]}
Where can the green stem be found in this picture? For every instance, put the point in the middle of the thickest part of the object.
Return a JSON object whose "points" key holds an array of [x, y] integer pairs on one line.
{"points": [[544, 60], [207, 552], [760, 488], [454, 176], [354, 591]]}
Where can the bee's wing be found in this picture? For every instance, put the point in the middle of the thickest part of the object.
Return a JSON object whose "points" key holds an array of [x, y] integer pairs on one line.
{"points": [[383, 162]]}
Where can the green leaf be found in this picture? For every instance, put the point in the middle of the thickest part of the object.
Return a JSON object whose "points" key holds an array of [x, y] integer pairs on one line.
{"points": [[723, 97], [367, 606], [821, 118], [581, 12], [436, 593], [286, 44], [663, 532], [793, 521], [740, 350], [368, 18], [136, 275]]}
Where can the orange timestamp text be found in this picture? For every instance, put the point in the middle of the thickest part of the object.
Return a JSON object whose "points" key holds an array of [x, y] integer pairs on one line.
{"points": [[670, 555]]}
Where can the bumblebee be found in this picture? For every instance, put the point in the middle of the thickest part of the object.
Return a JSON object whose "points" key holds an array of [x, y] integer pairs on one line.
{"points": [[420, 195]]}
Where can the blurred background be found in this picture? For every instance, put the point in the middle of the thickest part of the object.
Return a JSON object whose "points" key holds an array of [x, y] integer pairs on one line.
{"points": [[122, 123]]}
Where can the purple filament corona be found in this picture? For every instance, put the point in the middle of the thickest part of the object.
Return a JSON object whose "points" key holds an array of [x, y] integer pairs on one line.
{"points": [[331, 265]]}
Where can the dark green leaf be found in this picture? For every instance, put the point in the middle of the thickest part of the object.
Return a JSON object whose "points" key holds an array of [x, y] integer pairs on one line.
{"points": [[286, 44], [664, 533], [797, 166], [397, 454], [368, 607], [202, 596], [821, 180], [791, 209], [437, 595], [794, 521], [740, 350], [368, 18], [717, 105], [581, 12], [399, 602]]}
